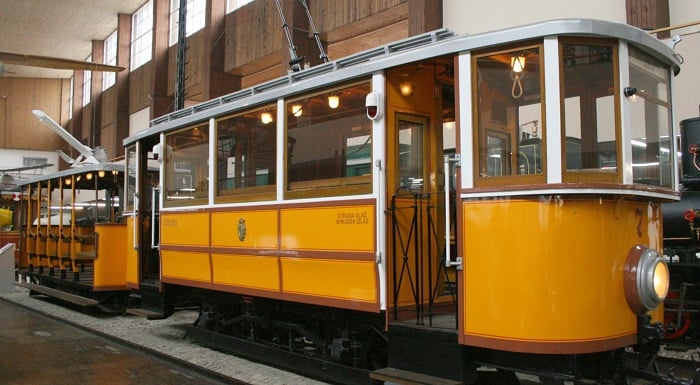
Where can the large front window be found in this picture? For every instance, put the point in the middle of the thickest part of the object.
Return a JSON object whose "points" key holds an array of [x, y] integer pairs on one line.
{"points": [[510, 130], [590, 113], [651, 120], [329, 143], [186, 166], [246, 155]]}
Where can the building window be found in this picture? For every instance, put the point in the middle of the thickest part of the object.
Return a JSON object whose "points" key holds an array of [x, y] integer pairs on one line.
{"points": [[590, 130], [510, 127], [110, 58], [70, 98], [141, 35], [232, 5], [32, 161], [329, 143], [247, 163], [87, 84], [196, 17]]}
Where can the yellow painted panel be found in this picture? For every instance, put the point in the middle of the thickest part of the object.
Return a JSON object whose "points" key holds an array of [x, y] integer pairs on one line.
{"points": [[256, 272], [338, 228], [132, 256], [185, 265], [257, 228], [110, 265], [337, 279], [551, 270], [187, 229]]}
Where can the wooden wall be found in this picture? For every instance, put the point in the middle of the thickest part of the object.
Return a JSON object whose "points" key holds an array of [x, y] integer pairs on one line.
{"points": [[19, 128], [649, 14]]}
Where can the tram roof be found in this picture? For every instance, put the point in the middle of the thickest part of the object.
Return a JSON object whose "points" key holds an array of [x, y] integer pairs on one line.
{"points": [[420, 47], [79, 170]]}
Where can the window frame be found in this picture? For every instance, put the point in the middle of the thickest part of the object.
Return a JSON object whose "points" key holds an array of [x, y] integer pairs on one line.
{"points": [[247, 194], [110, 58], [196, 19], [87, 84], [592, 175], [325, 187], [141, 35], [514, 179], [200, 196]]}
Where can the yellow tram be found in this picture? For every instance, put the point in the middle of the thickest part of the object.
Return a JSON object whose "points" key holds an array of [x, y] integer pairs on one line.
{"points": [[420, 209], [72, 237]]}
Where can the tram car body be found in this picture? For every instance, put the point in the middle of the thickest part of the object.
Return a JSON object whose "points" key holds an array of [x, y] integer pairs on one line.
{"points": [[72, 236], [421, 209], [682, 241]]}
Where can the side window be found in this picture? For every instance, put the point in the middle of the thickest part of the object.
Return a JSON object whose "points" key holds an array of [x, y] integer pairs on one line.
{"points": [[651, 120], [246, 165], [590, 115], [186, 167], [329, 143], [131, 164], [510, 132]]}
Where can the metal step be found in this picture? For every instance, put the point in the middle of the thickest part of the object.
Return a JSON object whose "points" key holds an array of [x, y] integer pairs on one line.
{"points": [[147, 313], [72, 298], [406, 377]]}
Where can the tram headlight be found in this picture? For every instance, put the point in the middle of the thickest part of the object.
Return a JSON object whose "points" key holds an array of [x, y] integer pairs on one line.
{"points": [[646, 279]]}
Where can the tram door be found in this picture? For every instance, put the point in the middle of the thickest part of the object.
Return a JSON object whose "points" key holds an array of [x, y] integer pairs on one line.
{"points": [[143, 172], [420, 131]]}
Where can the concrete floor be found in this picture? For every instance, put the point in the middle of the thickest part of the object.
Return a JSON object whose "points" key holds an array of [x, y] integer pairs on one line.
{"points": [[38, 350]]}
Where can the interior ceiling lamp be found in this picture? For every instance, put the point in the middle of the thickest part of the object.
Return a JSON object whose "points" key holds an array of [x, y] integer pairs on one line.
{"points": [[406, 88], [296, 110], [266, 117], [88, 176], [517, 64], [333, 101], [101, 173]]}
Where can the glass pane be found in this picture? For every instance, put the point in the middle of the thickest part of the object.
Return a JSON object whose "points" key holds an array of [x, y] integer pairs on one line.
{"points": [[246, 148], [651, 121], [186, 166], [510, 108], [329, 142], [130, 178], [589, 108], [410, 155]]}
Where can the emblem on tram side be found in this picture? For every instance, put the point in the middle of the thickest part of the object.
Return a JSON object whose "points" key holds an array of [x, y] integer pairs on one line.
{"points": [[241, 229]]}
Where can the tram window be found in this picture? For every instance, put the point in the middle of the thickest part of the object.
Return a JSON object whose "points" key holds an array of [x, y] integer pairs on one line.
{"points": [[186, 167], [590, 116], [329, 143], [510, 133], [246, 155], [651, 120]]}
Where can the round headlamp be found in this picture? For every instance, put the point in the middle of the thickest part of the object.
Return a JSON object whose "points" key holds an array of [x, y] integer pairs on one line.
{"points": [[646, 279]]}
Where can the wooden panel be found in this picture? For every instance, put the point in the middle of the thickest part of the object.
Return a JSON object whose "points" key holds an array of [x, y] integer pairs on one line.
{"points": [[196, 64], [254, 272], [331, 14], [20, 129], [648, 14], [258, 229], [339, 22], [139, 90], [253, 32], [330, 279], [368, 40], [337, 228], [185, 229]]}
